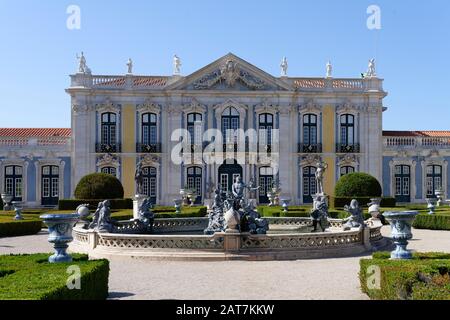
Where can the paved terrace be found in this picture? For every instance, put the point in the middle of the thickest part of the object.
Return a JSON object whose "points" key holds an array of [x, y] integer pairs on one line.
{"points": [[302, 279]]}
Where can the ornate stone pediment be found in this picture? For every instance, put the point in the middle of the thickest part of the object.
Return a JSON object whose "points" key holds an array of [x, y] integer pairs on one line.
{"points": [[310, 160], [310, 106], [266, 107], [107, 160], [229, 73], [108, 106], [149, 160], [347, 106], [348, 159], [149, 106], [194, 106]]}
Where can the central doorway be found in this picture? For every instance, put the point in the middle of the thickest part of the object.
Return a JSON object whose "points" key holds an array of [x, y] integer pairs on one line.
{"points": [[228, 174]]}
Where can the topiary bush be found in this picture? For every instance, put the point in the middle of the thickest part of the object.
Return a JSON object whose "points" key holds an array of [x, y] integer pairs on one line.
{"points": [[99, 186], [358, 184]]}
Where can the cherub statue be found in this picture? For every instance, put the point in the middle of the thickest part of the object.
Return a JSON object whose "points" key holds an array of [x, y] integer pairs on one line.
{"points": [[356, 219], [104, 219]]}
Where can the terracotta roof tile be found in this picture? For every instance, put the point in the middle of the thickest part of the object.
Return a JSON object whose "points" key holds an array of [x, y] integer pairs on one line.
{"points": [[416, 133], [35, 132]]}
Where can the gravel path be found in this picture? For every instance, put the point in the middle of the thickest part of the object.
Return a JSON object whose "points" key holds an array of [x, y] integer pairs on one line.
{"points": [[302, 279]]}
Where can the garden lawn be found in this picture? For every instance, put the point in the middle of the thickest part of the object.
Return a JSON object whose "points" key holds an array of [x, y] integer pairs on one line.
{"points": [[32, 277]]}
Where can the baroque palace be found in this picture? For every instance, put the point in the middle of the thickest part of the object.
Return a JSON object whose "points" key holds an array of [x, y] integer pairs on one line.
{"points": [[121, 120]]}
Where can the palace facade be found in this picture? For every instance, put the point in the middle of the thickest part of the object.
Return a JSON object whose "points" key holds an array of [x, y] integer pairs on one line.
{"points": [[120, 120]]}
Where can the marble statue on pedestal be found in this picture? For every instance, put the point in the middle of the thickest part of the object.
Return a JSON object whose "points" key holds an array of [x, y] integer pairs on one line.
{"points": [[216, 216], [252, 222], [321, 167], [82, 66], [238, 190], [356, 219]]}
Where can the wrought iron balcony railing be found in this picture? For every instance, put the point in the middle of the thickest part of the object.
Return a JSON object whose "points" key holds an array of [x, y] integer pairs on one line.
{"points": [[108, 148], [148, 148], [309, 148], [348, 148]]}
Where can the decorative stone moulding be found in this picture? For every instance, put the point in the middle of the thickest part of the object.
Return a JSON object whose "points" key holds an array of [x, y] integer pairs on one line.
{"points": [[60, 234], [401, 232]]}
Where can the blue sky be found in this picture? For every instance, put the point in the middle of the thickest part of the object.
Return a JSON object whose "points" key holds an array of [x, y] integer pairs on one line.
{"points": [[412, 49]]}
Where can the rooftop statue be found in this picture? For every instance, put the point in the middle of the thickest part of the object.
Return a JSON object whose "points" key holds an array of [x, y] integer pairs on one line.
{"points": [[176, 65], [82, 66], [371, 71], [130, 66], [329, 70], [284, 67]]}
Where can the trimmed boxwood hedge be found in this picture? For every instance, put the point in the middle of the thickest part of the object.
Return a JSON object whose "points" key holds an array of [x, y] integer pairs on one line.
{"points": [[13, 228], [433, 222], [357, 184], [340, 202], [116, 204], [425, 277], [32, 277], [99, 186]]}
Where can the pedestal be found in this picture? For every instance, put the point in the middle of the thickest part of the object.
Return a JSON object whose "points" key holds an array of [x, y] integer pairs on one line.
{"points": [[232, 240], [137, 202]]}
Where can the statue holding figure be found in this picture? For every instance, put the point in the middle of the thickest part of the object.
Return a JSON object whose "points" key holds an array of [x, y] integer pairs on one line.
{"points": [[238, 190], [284, 67], [356, 219], [176, 65], [104, 223], [139, 178], [320, 171], [319, 212], [216, 216]]}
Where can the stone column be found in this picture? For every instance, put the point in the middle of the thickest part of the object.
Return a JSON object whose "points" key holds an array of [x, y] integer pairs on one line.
{"points": [[285, 156], [174, 170]]}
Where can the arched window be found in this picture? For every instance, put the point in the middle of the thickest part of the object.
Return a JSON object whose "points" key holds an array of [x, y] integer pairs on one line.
{"points": [[149, 129], [109, 170], [230, 121], [346, 170], [433, 180], [194, 182], [13, 182], [194, 127], [265, 129]]}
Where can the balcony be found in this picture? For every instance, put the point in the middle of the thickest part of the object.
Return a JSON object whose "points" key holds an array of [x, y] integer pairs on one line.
{"points": [[309, 148], [348, 148], [148, 148], [395, 143], [108, 148]]}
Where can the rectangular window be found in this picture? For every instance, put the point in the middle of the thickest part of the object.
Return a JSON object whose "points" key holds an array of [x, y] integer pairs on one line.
{"points": [[398, 186], [9, 186], [18, 187], [224, 181], [152, 187], [145, 186], [55, 187], [406, 186], [429, 186], [46, 187]]}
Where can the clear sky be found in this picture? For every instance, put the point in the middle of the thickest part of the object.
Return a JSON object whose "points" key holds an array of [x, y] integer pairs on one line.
{"points": [[38, 51]]}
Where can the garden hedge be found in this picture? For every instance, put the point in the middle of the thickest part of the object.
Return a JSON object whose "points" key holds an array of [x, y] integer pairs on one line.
{"points": [[358, 184], [340, 202], [15, 228], [116, 204], [99, 186], [433, 222], [425, 277], [32, 277]]}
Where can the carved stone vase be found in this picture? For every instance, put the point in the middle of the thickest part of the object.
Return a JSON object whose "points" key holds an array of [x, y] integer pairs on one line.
{"points": [[401, 232], [60, 234]]}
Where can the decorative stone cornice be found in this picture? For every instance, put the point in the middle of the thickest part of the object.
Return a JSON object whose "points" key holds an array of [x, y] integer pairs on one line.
{"points": [[266, 107], [310, 107], [347, 107], [108, 106], [194, 106]]}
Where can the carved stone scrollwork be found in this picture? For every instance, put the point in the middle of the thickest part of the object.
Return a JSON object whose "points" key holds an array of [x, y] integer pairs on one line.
{"points": [[108, 106], [149, 106], [80, 109], [310, 106], [230, 73], [107, 160]]}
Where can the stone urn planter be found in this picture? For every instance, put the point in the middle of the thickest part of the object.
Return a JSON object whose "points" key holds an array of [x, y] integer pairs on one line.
{"points": [[6, 198], [374, 207], [431, 205], [285, 204], [401, 222], [232, 220], [178, 203], [60, 234], [440, 197]]}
